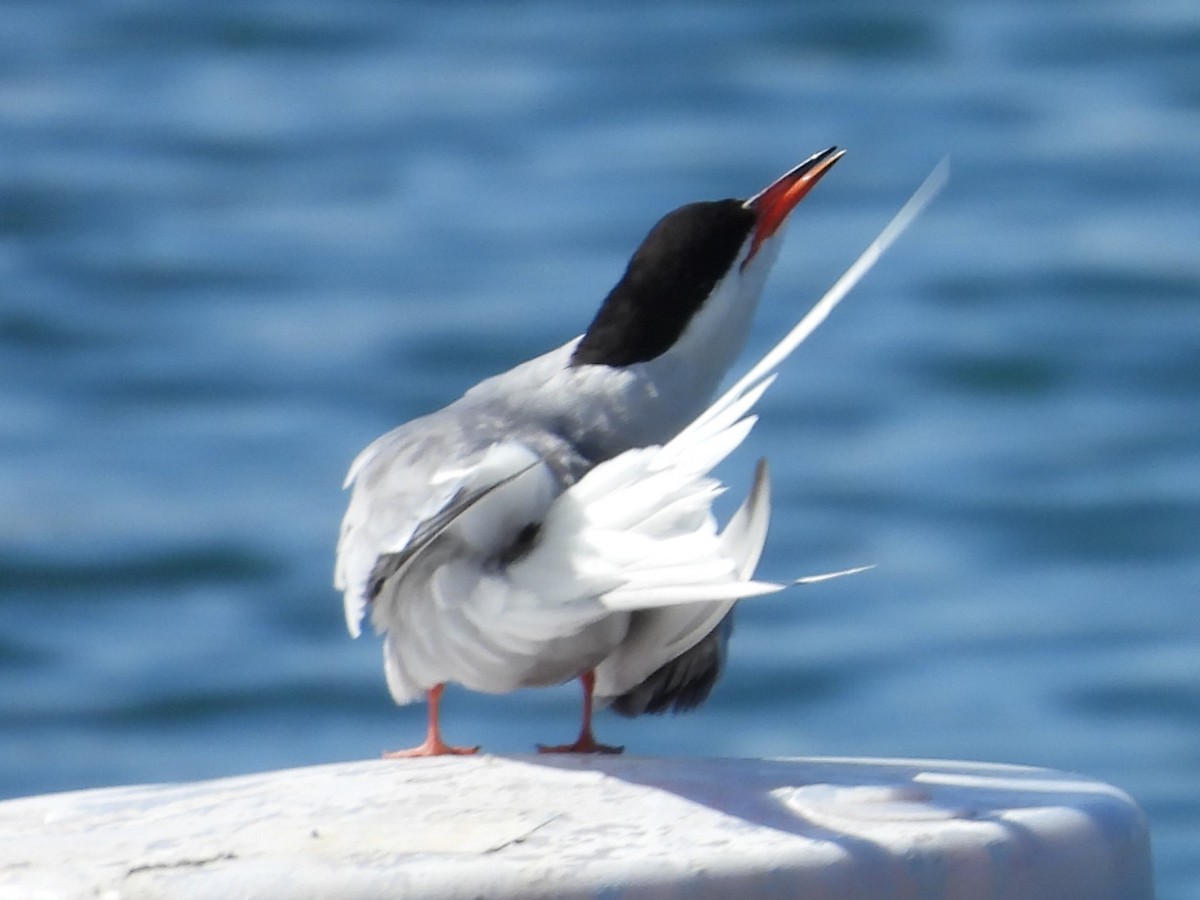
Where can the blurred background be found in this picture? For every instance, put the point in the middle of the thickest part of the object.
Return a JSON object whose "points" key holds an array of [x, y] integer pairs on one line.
{"points": [[238, 241]]}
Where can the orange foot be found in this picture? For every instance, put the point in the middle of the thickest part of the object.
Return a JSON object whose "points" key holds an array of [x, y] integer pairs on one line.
{"points": [[433, 744], [431, 747], [585, 743]]}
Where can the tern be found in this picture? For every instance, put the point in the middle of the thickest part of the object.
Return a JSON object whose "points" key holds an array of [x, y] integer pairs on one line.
{"points": [[555, 522]]}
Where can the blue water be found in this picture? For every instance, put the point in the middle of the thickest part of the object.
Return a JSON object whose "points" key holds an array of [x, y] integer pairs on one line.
{"points": [[237, 241]]}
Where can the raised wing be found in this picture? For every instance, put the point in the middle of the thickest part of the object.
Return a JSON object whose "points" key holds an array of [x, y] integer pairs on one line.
{"points": [[643, 519]]}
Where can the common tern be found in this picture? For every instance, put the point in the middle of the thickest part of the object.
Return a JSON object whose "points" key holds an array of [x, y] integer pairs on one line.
{"points": [[555, 521]]}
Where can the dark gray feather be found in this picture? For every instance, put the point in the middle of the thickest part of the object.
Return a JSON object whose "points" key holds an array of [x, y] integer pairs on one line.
{"points": [[683, 683]]}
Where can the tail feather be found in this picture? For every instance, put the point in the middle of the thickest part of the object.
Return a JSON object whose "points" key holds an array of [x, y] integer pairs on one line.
{"points": [[746, 533]]}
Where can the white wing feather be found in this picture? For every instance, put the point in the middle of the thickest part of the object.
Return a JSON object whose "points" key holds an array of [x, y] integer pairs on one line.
{"points": [[664, 634]]}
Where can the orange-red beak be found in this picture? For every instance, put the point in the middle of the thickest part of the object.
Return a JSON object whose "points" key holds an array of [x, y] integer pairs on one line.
{"points": [[773, 203]]}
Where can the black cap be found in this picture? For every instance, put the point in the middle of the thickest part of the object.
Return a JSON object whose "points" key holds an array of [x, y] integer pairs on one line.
{"points": [[667, 281]]}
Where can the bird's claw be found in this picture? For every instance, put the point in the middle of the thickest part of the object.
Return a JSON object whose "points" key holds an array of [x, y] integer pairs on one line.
{"points": [[582, 745], [430, 748]]}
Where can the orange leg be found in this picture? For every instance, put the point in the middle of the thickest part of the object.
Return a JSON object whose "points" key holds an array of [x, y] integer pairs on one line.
{"points": [[586, 742], [433, 744]]}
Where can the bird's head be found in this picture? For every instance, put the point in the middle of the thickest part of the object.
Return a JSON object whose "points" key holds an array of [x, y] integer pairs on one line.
{"points": [[704, 256]]}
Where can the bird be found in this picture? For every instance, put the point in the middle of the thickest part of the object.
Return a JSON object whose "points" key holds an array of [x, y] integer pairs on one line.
{"points": [[555, 522]]}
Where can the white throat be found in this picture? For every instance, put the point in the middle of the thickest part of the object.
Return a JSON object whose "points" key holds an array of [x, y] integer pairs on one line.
{"points": [[716, 334]]}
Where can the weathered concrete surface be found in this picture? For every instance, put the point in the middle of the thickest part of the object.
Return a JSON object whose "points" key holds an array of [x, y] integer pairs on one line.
{"points": [[533, 827]]}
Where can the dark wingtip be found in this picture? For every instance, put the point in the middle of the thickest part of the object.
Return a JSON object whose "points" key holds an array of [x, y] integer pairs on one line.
{"points": [[683, 683]]}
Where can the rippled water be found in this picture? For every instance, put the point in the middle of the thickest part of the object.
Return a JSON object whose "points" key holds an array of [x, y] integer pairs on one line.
{"points": [[238, 241]]}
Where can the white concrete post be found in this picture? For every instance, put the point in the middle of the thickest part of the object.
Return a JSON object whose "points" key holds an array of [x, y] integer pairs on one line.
{"points": [[613, 827]]}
